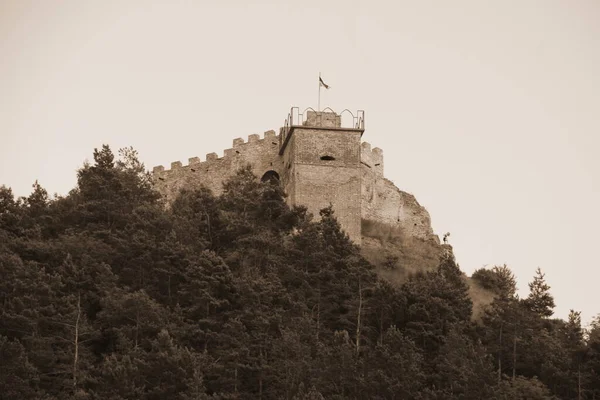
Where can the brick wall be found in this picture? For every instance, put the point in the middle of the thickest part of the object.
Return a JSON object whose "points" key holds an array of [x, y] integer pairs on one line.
{"points": [[261, 153], [326, 169]]}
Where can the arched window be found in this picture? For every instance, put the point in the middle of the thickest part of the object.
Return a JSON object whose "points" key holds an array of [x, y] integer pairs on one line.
{"points": [[270, 177]]}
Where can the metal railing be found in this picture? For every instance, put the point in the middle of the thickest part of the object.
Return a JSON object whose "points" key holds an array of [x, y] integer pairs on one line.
{"points": [[296, 118]]}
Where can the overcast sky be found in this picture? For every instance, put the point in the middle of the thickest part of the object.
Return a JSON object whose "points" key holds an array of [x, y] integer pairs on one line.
{"points": [[487, 111]]}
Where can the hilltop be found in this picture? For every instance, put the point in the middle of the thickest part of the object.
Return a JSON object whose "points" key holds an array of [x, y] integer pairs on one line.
{"points": [[112, 293]]}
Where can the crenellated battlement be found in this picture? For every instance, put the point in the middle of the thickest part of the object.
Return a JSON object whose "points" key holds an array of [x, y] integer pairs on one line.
{"points": [[269, 139], [259, 152], [372, 158]]}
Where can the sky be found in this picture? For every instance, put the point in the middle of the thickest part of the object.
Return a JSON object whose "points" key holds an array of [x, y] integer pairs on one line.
{"points": [[487, 111]]}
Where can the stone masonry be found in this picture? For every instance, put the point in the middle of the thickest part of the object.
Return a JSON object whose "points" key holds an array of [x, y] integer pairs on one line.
{"points": [[317, 162]]}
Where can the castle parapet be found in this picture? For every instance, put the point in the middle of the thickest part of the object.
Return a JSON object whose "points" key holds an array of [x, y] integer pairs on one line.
{"points": [[377, 154], [327, 120], [238, 147], [228, 153], [270, 134], [372, 158]]}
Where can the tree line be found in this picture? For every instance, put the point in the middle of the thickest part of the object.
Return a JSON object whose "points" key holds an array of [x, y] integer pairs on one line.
{"points": [[106, 293]]}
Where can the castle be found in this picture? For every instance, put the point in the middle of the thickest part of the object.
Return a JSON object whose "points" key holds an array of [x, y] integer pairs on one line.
{"points": [[318, 161]]}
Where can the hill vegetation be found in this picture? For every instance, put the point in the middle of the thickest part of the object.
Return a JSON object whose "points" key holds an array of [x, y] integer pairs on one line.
{"points": [[108, 294]]}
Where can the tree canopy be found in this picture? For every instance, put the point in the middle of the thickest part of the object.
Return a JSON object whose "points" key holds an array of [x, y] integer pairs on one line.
{"points": [[107, 293]]}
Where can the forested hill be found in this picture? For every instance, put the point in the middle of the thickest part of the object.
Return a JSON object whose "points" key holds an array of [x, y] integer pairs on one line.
{"points": [[108, 294]]}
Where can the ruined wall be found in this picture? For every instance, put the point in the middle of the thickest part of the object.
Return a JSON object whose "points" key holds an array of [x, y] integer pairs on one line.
{"points": [[262, 154], [383, 202]]}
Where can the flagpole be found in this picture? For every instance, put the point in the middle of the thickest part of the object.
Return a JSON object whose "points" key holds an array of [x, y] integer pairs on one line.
{"points": [[319, 102]]}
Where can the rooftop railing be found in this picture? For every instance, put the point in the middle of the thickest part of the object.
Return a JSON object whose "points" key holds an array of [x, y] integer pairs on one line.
{"points": [[300, 119]]}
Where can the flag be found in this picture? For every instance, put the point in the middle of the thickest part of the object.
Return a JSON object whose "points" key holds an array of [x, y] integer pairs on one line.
{"points": [[323, 83]]}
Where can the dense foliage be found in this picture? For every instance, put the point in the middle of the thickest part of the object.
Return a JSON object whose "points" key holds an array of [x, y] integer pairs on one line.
{"points": [[108, 294]]}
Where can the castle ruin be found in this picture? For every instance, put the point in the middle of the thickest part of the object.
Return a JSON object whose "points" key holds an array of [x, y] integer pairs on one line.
{"points": [[318, 161]]}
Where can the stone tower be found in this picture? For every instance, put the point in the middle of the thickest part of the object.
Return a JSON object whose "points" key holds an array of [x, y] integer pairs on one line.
{"points": [[320, 160], [321, 166]]}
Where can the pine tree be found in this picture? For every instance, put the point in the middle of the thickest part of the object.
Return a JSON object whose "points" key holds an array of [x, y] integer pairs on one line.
{"points": [[540, 301], [108, 294], [18, 377], [435, 301], [500, 280]]}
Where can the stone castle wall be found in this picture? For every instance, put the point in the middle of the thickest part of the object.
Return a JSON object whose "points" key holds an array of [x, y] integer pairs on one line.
{"points": [[383, 202], [260, 153], [354, 180]]}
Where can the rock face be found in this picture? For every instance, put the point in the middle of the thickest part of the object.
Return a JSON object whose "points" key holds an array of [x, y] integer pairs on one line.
{"points": [[318, 162]]}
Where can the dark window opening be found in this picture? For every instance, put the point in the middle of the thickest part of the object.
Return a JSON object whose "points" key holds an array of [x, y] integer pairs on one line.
{"points": [[237, 152], [270, 177], [327, 158], [377, 165]]}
